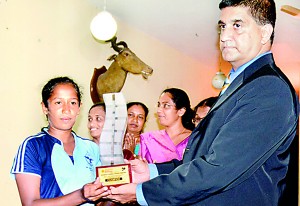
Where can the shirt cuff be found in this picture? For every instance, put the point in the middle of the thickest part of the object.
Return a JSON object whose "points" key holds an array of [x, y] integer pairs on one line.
{"points": [[139, 191], [153, 171], [139, 195]]}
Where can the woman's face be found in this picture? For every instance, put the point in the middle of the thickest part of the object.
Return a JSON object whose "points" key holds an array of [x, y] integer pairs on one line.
{"points": [[96, 119], [136, 119], [166, 110], [63, 108]]}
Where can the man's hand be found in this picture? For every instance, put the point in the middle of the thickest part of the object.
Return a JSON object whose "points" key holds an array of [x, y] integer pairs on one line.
{"points": [[140, 170], [123, 194]]}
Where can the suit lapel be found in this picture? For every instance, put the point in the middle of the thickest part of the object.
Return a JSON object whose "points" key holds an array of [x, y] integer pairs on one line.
{"points": [[240, 79], [234, 86]]}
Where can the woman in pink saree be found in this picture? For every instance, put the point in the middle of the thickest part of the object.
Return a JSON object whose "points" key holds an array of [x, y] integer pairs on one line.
{"points": [[175, 115]]}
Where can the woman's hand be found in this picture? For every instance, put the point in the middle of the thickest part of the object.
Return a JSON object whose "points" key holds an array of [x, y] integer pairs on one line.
{"points": [[93, 191], [29, 190], [131, 140]]}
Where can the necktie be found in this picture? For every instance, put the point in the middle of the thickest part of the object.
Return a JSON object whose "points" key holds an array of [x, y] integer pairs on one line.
{"points": [[226, 84]]}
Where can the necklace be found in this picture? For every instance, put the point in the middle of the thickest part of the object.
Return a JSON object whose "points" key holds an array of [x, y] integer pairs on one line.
{"points": [[177, 135], [176, 139], [181, 132]]}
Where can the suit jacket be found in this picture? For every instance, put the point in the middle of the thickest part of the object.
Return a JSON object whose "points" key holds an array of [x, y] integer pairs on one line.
{"points": [[238, 154]]}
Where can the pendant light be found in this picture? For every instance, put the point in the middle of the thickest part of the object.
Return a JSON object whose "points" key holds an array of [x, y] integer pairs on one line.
{"points": [[219, 78], [103, 26]]}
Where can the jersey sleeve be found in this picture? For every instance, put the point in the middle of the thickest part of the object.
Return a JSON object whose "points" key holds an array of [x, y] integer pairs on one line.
{"points": [[27, 158]]}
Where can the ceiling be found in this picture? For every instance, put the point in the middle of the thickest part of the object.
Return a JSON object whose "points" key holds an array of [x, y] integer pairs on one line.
{"points": [[190, 25]]}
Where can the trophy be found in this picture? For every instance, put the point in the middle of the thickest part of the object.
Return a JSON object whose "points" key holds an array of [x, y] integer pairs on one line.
{"points": [[114, 171]]}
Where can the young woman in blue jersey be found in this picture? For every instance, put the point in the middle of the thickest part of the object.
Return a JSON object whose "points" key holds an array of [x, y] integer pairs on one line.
{"points": [[55, 166]]}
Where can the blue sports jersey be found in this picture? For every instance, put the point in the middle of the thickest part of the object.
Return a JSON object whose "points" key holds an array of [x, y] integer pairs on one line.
{"points": [[44, 155]]}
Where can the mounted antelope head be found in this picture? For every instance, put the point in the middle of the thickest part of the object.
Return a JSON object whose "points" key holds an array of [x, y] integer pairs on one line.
{"points": [[113, 79]]}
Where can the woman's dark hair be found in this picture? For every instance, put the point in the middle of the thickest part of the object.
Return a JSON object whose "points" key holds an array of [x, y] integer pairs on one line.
{"points": [[99, 104], [181, 100], [263, 11], [146, 110], [52, 83], [208, 102]]}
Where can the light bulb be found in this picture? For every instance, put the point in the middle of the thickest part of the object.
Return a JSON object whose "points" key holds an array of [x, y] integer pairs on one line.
{"points": [[218, 80], [103, 26]]}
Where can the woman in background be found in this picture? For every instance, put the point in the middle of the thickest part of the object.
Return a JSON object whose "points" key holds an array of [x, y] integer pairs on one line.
{"points": [[96, 119], [137, 116], [55, 166], [175, 115]]}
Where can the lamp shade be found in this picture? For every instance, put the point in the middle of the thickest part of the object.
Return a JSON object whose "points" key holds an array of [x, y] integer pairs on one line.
{"points": [[103, 26], [218, 80]]}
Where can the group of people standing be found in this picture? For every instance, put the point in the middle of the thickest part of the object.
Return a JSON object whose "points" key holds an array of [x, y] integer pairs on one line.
{"points": [[237, 155], [63, 163], [175, 116]]}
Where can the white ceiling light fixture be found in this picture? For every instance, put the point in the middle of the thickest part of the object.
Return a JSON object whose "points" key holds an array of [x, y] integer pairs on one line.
{"points": [[219, 79], [103, 26]]}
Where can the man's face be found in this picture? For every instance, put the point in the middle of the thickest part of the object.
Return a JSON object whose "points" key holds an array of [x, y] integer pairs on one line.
{"points": [[240, 36]]}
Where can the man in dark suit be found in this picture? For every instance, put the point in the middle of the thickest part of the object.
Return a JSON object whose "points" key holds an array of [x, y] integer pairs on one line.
{"points": [[239, 153]]}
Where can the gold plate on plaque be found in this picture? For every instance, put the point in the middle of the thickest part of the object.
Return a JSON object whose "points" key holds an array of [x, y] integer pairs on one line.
{"points": [[114, 175]]}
